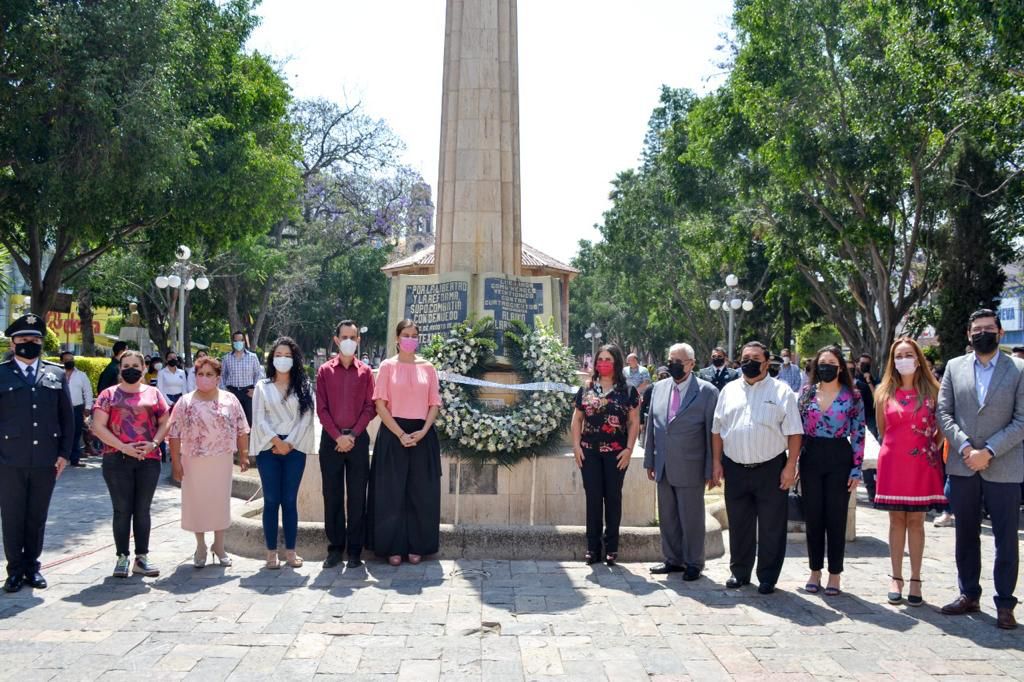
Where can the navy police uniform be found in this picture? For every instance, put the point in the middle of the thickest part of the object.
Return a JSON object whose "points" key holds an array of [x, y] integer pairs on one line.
{"points": [[36, 428]]}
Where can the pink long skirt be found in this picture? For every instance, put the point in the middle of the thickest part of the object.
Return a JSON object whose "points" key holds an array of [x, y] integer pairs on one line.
{"points": [[206, 493]]}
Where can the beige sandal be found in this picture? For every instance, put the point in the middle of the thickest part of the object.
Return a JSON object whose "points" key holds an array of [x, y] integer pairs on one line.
{"points": [[272, 562], [293, 559]]}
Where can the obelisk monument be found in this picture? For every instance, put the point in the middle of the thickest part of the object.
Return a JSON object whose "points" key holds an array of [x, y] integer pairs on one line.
{"points": [[478, 214]]}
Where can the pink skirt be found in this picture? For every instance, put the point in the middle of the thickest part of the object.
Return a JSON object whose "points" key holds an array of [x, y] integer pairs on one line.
{"points": [[206, 493]]}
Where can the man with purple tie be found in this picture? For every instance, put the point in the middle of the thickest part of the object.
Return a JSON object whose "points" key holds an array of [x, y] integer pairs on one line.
{"points": [[677, 454]]}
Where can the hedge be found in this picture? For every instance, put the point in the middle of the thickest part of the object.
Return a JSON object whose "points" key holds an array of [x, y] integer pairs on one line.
{"points": [[92, 367]]}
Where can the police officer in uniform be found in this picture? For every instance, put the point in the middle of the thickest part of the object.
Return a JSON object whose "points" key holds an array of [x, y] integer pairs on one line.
{"points": [[36, 429]]}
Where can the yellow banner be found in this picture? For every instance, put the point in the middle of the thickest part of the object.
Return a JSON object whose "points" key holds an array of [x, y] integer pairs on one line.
{"points": [[67, 326]]}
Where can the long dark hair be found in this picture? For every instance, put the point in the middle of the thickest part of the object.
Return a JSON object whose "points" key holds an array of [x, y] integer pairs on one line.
{"points": [[298, 381], [844, 372], [617, 361]]}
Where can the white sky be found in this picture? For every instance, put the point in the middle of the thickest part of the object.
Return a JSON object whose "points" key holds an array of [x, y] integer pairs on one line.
{"points": [[589, 76]]}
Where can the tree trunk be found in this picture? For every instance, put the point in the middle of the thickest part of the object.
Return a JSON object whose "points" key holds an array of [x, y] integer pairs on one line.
{"points": [[154, 324], [186, 354], [85, 318], [231, 299]]}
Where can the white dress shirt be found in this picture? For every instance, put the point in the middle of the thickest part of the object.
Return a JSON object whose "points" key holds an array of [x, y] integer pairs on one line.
{"points": [[172, 383], [23, 366], [80, 389], [754, 420], [272, 416]]}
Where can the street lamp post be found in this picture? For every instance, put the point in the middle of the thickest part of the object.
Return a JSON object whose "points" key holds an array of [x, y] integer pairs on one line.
{"points": [[731, 298], [593, 334], [182, 279]]}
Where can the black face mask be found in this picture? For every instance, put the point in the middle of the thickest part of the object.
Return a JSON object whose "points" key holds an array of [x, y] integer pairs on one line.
{"points": [[984, 342], [751, 369], [70, 364], [676, 370], [773, 370], [29, 350], [131, 375], [865, 367], [828, 373], [717, 362], [172, 363]]}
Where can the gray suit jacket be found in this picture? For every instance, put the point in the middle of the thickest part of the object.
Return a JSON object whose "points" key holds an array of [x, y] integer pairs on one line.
{"points": [[681, 448], [998, 424]]}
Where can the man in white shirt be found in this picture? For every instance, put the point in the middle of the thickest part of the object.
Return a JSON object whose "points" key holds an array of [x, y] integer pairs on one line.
{"points": [[80, 389], [172, 380], [756, 421]]}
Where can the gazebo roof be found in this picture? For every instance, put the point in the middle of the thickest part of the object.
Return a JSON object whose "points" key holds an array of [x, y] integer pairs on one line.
{"points": [[532, 258]]}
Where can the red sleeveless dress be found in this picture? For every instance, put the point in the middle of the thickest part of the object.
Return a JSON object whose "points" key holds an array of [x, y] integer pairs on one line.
{"points": [[910, 472]]}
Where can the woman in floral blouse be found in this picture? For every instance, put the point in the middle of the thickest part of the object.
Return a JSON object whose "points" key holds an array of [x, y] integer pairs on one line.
{"points": [[833, 450], [910, 471], [605, 426]]}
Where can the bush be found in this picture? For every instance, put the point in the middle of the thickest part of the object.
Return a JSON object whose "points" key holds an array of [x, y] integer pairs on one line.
{"points": [[92, 367], [811, 337]]}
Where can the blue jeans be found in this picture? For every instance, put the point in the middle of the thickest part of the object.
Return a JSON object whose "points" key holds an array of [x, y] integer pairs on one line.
{"points": [[280, 476]]}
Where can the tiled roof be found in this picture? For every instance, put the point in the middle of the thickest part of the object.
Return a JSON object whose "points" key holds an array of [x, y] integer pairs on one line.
{"points": [[532, 258]]}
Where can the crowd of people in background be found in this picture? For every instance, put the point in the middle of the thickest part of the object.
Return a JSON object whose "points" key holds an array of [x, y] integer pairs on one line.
{"points": [[950, 442]]}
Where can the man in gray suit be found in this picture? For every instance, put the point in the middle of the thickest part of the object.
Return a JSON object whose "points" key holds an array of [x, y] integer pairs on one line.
{"points": [[677, 454], [981, 410]]}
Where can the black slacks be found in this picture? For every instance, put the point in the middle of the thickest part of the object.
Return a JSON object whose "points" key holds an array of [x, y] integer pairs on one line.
{"points": [[245, 399], [131, 483], [824, 485], [602, 484], [1002, 501], [758, 516], [344, 476], [24, 503]]}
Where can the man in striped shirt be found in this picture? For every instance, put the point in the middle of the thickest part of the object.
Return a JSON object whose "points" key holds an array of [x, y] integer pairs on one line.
{"points": [[241, 369], [756, 421]]}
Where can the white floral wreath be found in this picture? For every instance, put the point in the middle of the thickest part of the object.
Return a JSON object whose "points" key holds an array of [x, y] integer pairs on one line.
{"points": [[511, 434]]}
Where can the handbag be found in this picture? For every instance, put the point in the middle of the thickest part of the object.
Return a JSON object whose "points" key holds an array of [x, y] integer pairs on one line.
{"points": [[796, 504]]}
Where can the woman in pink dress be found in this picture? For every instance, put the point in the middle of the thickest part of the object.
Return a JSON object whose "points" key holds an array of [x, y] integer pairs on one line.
{"points": [[404, 507], [207, 427], [910, 476]]}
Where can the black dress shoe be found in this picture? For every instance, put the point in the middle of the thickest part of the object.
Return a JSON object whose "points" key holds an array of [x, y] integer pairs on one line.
{"points": [[765, 588], [691, 573], [734, 583], [354, 563], [333, 559], [662, 569], [36, 580], [14, 583]]}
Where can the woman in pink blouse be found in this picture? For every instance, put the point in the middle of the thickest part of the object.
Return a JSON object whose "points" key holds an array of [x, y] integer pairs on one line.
{"points": [[405, 474], [207, 427]]}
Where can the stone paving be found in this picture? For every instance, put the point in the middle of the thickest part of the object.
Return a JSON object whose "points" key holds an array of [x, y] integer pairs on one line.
{"points": [[473, 620]]}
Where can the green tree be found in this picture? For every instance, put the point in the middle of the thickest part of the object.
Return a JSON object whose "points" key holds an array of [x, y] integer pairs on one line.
{"points": [[142, 123]]}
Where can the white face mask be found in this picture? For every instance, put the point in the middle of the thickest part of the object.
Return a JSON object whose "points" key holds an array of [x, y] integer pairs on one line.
{"points": [[906, 366], [158, 366], [348, 347], [283, 365]]}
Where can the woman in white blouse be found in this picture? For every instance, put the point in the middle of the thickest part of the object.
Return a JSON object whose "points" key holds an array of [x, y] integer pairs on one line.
{"points": [[172, 380], [282, 435]]}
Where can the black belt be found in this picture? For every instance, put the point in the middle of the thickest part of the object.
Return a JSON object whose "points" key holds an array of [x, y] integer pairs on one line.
{"points": [[239, 389], [756, 464]]}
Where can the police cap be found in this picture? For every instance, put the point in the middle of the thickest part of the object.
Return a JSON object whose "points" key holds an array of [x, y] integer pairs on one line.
{"points": [[27, 325]]}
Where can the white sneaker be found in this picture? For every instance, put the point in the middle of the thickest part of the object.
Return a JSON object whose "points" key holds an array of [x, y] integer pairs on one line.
{"points": [[945, 520]]}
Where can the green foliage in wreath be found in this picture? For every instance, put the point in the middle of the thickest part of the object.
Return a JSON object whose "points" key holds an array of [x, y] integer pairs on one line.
{"points": [[480, 433]]}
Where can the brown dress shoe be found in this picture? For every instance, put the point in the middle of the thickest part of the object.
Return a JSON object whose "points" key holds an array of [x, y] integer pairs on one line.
{"points": [[1005, 619], [961, 605]]}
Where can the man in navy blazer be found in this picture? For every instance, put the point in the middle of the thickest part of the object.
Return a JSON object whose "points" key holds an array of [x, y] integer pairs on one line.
{"points": [[981, 410], [677, 454]]}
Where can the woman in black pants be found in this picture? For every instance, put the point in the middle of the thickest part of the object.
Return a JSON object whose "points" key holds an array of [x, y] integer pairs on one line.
{"points": [[605, 426], [833, 449]]}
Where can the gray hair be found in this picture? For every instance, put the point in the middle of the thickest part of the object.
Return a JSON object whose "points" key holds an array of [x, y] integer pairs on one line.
{"points": [[685, 347]]}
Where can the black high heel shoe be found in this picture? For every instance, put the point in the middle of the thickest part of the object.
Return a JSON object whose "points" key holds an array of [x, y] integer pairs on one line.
{"points": [[610, 558], [896, 597], [915, 599], [590, 558]]}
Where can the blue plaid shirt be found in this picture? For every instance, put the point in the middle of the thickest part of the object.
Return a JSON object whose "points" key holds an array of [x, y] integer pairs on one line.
{"points": [[240, 372]]}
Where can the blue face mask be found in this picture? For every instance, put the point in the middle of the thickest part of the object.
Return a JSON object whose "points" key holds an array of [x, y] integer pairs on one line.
{"points": [[238, 345]]}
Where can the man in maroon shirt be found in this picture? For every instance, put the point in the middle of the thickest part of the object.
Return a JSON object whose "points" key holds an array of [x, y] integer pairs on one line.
{"points": [[344, 404]]}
